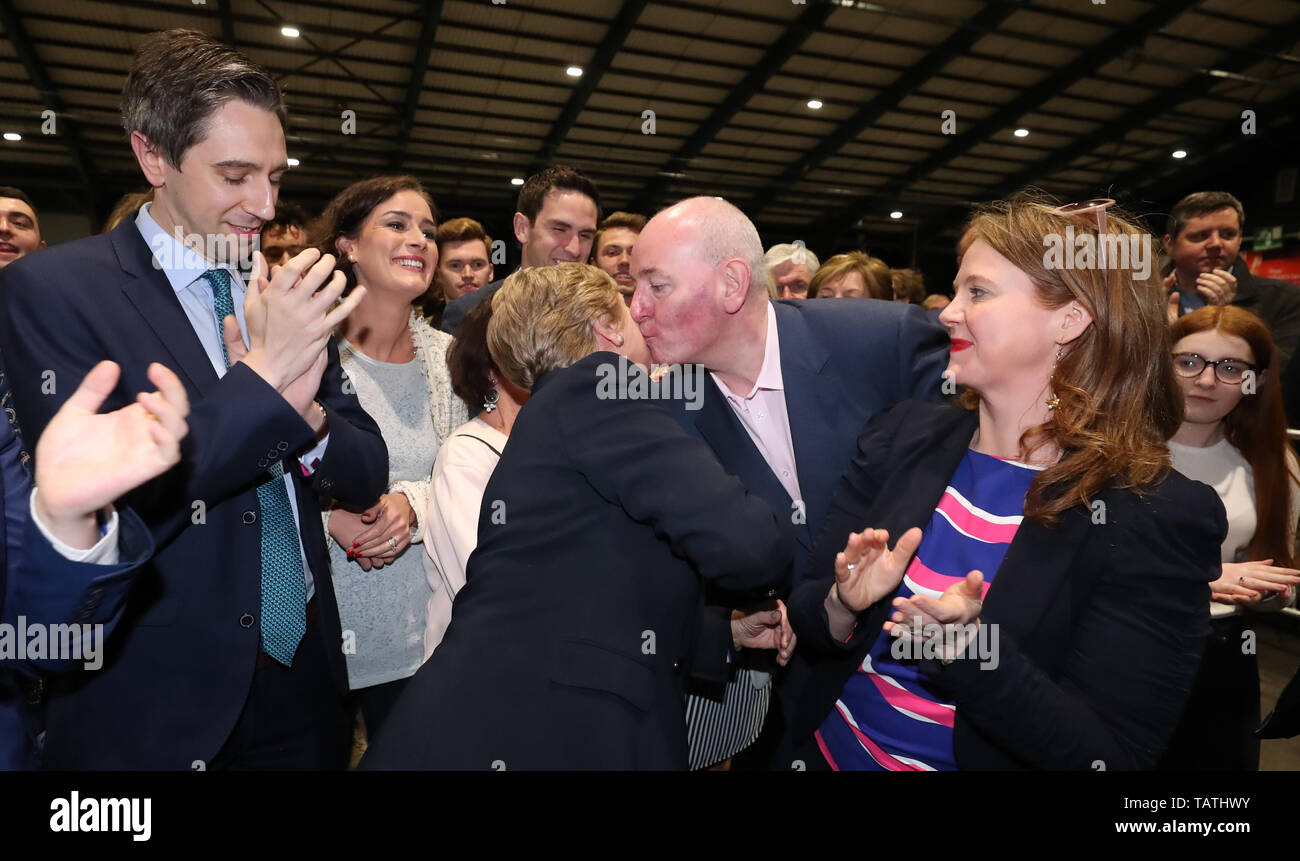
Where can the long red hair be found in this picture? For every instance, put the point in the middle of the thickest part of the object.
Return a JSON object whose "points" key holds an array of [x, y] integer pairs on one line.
{"points": [[1256, 427]]}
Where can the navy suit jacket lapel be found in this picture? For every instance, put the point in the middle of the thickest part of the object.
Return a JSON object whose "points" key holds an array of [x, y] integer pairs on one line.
{"points": [[814, 405], [149, 291]]}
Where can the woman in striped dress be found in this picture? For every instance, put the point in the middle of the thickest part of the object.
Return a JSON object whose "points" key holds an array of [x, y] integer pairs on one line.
{"points": [[1044, 606]]}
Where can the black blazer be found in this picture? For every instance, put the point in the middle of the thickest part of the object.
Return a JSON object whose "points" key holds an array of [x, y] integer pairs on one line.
{"points": [[460, 306], [1102, 621], [181, 660], [567, 645]]}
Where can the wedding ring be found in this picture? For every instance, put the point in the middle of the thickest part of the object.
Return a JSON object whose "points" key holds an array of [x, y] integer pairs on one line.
{"points": [[392, 544], [851, 565], [1241, 581]]}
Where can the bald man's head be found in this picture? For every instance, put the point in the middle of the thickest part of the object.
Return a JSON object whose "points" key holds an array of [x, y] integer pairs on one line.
{"points": [[699, 277]]}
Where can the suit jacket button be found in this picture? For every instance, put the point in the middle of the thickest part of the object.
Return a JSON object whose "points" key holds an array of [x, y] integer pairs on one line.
{"points": [[246, 620], [262, 463], [282, 445], [326, 484], [676, 664], [250, 515]]}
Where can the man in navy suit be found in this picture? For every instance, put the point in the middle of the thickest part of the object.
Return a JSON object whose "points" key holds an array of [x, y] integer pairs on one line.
{"points": [[66, 556], [792, 384], [555, 222], [229, 654]]}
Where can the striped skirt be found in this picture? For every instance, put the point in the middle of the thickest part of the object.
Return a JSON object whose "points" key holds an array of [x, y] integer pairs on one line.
{"points": [[719, 729]]}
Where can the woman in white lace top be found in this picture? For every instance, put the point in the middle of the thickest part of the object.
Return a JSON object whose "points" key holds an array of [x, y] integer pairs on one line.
{"points": [[382, 230]]}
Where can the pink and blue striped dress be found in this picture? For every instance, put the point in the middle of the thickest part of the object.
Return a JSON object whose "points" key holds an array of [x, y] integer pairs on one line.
{"points": [[888, 718]]}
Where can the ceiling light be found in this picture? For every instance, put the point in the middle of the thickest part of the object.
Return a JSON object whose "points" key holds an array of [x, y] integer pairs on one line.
{"points": [[1179, 153], [519, 180], [293, 162], [1021, 133], [574, 71], [815, 104], [291, 32], [896, 214], [13, 136]]}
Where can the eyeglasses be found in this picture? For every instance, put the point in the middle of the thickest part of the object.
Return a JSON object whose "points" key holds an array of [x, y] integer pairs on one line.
{"points": [[1097, 205], [1231, 371]]}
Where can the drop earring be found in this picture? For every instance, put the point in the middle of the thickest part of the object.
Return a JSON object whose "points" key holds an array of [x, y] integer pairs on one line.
{"points": [[1053, 399], [490, 401]]}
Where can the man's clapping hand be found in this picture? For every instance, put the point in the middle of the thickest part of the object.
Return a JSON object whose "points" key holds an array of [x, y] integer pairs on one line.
{"points": [[290, 318], [85, 460]]}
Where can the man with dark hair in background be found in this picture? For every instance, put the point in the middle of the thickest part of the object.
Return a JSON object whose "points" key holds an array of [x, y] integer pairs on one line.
{"points": [[612, 250], [285, 236], [1204, 240], [555, 222], [227, 655], [20, 231]]}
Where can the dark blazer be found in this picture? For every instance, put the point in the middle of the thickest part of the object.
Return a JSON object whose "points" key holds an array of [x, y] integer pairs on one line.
{"points": [[42, 587], [1274, 301], [460, 306], [566, 646], [842, 361], [1101, 622], [182, 660]]}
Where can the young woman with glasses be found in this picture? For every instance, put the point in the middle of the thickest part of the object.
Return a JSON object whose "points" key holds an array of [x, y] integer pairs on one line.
{"points": [[1233, 438]]}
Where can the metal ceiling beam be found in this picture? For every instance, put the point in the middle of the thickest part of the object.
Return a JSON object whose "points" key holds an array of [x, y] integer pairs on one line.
{"points": [[606, 51], [428, 32], [1114, 46], [1221, 152], [811, 20], [1140, 114], [227, 22], [318, 55], [987, 20], [40, 79]]}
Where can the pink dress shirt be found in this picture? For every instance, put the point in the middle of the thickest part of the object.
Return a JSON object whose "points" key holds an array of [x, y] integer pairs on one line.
{"points": [[762, 412]]}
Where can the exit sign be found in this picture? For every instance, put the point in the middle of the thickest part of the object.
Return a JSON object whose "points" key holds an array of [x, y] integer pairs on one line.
{"points": [[1268, 238]]}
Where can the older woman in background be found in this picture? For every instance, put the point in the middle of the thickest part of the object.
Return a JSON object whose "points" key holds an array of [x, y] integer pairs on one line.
{"points": [[464, 465], [382, 230], [854, 275], [566, 646]]}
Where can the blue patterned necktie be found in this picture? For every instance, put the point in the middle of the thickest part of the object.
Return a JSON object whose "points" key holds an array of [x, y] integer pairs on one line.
{"points": [[284, 591]]}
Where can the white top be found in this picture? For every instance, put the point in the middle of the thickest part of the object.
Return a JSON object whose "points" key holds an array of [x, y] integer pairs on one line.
{"points": [[1225, 469], [460, 475], [383, 608]]}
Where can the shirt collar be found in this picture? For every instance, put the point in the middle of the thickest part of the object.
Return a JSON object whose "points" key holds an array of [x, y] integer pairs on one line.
{"points": [[181, 264], [769, 374]]}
